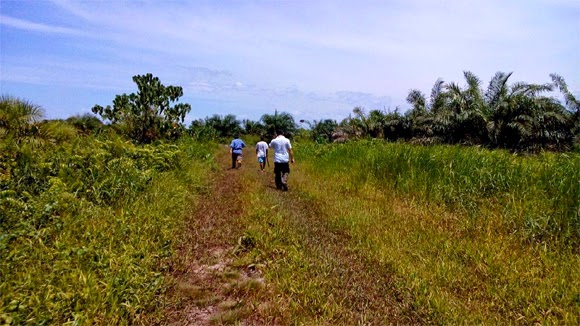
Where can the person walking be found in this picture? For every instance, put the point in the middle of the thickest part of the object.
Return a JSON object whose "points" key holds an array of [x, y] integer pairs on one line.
{"points": [[236, 151], [262, 153], [283, 154]]}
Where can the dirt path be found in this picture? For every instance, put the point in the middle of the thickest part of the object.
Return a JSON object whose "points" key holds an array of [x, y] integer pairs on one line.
{"points": [[209, 289], [215, 285]]}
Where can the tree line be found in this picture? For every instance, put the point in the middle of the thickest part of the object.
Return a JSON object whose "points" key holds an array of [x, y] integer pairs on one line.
{"points": [[518, 116]]}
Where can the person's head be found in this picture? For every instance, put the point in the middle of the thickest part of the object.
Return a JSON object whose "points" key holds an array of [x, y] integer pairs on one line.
{"points": [[236, 136], [279, 132]]}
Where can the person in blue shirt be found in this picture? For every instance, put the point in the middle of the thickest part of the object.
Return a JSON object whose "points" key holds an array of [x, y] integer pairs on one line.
{"points": [[236, 151]]}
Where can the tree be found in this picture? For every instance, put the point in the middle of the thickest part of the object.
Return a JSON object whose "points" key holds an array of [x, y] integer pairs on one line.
{"points": [[279, 121], [225, 127], [572, 103], [86, 123], [253, 127], [419, 116], [147, 115], [323, 130], [18, 117]]}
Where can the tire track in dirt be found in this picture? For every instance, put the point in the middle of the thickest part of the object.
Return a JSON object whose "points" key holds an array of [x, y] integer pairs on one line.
{"points": [[208, 288], [365, 288], [211, 289]]}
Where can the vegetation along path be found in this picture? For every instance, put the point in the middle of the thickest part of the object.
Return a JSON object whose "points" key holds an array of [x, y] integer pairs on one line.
{"points": [[255, 255], [340, 249]]}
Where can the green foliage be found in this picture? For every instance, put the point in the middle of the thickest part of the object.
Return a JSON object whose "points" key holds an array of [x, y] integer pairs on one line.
{"points": [[539, 195], [253, 127], [147, 115], [279, 121], [215, 127], [323, 130], [86, 123], [87, 227], [18, 117], [515, 117]]}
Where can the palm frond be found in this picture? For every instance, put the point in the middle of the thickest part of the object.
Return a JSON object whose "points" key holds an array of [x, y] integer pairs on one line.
{"points": [[571, 101], [497, 88]]}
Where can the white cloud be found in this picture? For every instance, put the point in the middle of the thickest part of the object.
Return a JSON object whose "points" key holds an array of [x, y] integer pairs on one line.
{"points": [[36, 27], [320, 57]]}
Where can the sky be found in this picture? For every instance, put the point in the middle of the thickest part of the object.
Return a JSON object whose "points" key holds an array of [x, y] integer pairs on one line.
{"points": [[313, 59]]}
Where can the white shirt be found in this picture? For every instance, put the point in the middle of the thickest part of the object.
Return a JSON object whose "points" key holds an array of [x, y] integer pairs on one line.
{"points": [[261, 148], [281, 145]]}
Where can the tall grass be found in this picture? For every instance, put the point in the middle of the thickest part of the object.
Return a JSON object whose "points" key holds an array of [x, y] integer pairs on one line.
{"points": [[87, 227], [476, 237], [538, 196]]}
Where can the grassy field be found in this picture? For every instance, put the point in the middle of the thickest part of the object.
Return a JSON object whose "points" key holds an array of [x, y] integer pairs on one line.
{"points": [[99, 231], [375, 232], [87, 228]]}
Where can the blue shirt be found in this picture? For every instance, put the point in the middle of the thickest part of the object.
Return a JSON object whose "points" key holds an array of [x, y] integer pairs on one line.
{"points": [[237, 145]]}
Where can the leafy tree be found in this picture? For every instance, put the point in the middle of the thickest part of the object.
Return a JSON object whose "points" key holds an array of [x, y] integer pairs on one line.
{"points": [[419, 116], [376, 123], [18, 117], [279, 121], [572, 104], [86, 123], [397, 126], [147, 115], [225, 127], [253, 127], [323, 130], [198, 130]]}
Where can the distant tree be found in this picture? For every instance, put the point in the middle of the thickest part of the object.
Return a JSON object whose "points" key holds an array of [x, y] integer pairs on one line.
{"points": [[421, 120], [397, 126], [251, 127], [198, 130], [375, 122], [279, 121], [18, 117], [572, 104], [147, 115], [323, 130], [86, 123], [225, 127]]}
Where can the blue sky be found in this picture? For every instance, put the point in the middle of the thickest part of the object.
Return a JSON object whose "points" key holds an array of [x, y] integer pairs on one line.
{"points": [[313, 59]]}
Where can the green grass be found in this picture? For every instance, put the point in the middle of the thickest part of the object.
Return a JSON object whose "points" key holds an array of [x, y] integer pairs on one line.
{"points": [[476, 236], [539, 196], [87, 228], [392, 233]]}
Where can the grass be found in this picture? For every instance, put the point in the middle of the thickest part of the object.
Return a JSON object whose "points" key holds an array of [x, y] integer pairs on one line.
{"points": [[369, 233], [87, 229], [383, 233]]}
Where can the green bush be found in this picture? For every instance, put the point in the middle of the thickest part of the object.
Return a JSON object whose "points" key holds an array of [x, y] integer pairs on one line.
{"points": [[539, 195], [87, 227]]}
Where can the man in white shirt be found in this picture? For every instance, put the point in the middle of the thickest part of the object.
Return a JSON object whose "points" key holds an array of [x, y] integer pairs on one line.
{"points": [[262, 153], [282, 155]]}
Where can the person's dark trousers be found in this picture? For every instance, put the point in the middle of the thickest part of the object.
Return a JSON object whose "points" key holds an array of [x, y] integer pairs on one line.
{"points": [[281, 170], [234, 159]]}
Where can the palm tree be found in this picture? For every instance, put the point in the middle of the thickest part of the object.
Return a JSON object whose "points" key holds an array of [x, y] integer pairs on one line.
{"points": [[225, 127], [279, 121], [420, 117], [376, 124], [463, 118], [572, 104], [253, 127], [18, 117], [323, 130], [521, 118]]}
